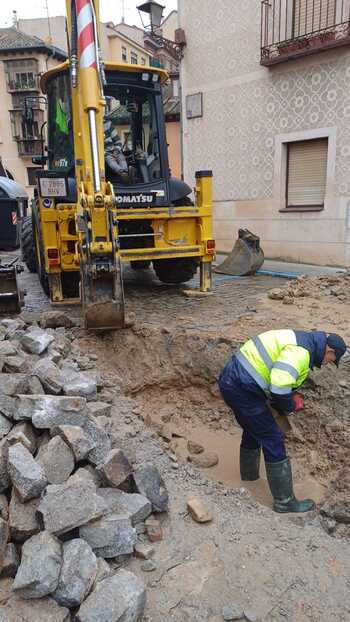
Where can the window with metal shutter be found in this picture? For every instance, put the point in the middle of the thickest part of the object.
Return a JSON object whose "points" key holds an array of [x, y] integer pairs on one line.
{"points": [[313, 15], [307, 173]]}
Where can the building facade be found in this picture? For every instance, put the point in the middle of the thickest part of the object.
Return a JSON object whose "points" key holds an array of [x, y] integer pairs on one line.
{"points": [[22, 60], [266, 104]]}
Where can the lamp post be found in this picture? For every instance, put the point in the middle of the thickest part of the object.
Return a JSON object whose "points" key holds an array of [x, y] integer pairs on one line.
{"points": [[154, 11]]}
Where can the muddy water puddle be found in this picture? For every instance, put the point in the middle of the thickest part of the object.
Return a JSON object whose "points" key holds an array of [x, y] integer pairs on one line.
{"points": [[226, 444]]}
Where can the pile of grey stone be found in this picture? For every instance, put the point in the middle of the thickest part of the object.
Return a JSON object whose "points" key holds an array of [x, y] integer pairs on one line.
{"points": [[72, 508]]}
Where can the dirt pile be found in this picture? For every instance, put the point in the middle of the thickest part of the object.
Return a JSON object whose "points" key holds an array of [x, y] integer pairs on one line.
{"points": [[318, 288], [335, 511]]}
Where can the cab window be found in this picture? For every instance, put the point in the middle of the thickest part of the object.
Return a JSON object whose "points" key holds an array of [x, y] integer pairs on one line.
{"points": [[60, 125]]}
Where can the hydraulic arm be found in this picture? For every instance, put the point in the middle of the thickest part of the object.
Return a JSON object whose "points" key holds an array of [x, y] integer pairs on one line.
{"points": [[101, 277]]}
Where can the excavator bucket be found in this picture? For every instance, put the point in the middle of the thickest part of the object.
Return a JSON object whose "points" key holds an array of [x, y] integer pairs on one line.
{"points": [[11, 296], [245, 258], [103, 300]]}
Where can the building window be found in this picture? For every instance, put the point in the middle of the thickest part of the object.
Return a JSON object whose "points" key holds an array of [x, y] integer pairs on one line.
{"points": [[143, 60], [134, 59], [21, 75], [23, 128], [307, 174], [124, 55]]}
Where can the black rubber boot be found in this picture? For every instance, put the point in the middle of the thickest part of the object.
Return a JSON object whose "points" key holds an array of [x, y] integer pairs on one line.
{"points": [[249, 463], [280, 479]]}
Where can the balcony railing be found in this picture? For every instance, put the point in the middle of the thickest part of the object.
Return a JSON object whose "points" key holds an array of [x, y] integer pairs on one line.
{"points": [[29, 147], [293, 28]]}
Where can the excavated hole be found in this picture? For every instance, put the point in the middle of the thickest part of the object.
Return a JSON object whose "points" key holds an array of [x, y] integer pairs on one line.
{"points": [[172, 375]]}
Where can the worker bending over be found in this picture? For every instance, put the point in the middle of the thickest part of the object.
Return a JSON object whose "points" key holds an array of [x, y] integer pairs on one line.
{"points": [[271, 366]]}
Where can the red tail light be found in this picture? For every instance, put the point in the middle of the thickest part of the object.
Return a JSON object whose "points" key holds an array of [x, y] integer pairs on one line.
{"points": [[53, 256], [210, 247]]}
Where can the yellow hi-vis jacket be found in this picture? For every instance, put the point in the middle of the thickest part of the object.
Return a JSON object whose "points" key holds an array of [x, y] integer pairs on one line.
{"points": [[276, 362]]}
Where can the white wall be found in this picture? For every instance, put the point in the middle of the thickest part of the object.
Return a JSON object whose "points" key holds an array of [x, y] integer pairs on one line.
{"points": [[248, 111]]}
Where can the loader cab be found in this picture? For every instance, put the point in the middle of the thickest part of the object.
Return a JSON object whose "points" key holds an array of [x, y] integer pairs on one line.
{"points": [[133, 117], [134, 125], [135, 111]]}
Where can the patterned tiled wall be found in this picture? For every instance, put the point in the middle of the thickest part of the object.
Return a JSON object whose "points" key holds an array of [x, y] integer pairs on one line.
{"points": [[246, 106]]}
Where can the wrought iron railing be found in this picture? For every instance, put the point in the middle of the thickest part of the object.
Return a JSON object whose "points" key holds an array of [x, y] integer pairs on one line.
{"points": [[29, 146], [292, 28]]}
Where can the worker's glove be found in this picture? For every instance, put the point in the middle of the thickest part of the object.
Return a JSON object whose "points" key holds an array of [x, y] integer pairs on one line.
{"points": [[298, 402]]}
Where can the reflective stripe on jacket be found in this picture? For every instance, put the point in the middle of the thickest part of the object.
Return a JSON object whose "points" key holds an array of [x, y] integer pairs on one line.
{"points": [[276, 362]]}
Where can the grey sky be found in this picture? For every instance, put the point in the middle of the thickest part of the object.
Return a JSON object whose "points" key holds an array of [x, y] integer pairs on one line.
{"points": [[111, 10]]}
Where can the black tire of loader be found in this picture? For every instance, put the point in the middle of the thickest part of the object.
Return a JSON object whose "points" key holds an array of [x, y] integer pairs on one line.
{"points": [[140, 265], [39, 253], [175, 270], [28, 244], [43, 277]]}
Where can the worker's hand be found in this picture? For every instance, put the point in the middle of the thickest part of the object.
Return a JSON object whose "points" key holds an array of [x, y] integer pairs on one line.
{"points": [[298, 402]]}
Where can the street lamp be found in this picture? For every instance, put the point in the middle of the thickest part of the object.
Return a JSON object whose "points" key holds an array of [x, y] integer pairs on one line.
{"points": [[155, 12]]}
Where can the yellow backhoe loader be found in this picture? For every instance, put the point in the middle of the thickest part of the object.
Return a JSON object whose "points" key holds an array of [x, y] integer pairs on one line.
{"points": [[105, 195]]}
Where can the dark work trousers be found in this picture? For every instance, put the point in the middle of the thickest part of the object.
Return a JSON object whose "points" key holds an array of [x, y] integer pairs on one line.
{"points": [[248, 402]]}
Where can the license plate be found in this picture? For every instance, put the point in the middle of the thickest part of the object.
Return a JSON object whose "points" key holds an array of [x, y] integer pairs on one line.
{"points": [[53, 187]]}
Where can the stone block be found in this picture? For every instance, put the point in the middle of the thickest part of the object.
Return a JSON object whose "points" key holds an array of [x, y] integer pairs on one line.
{"points": [[4, 507], [15, 365], [23, 518], [10, 562], [40, 567], [99, 409], [149, 482], [78, 573], [5, 426], [4, 472], [55, 319], [12, 325], [205, 460], [34, 386], [134, 505], [4, 537], [57, 460], [103, 571], [13, 384], [49, 411], [70, 505], [76, 439], [36, 340], [79, 383], [120, 598], [100, 440], [110, 536], [26, 474], [8, 348], [88, 474], [115, 469], [23, 433], [232, 612], [198, 510], [153, 530], [49, 375], [8, 406]]}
